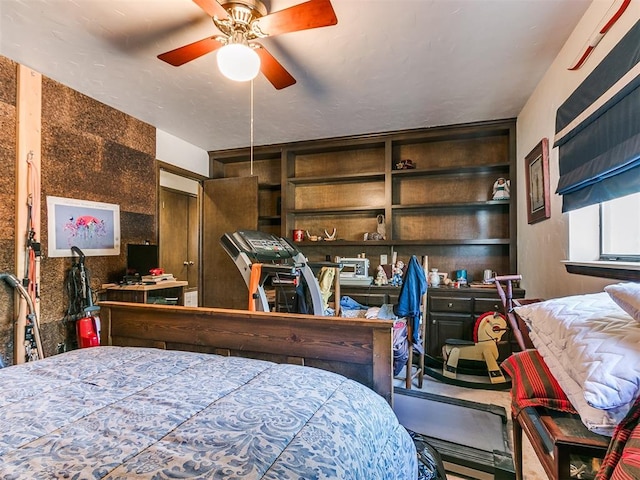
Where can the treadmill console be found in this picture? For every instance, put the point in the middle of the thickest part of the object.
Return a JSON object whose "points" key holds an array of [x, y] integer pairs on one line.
{"points": [[259, 246]]}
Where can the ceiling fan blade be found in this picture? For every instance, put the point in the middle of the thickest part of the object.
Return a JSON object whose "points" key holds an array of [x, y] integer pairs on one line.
{"points": [[185, 54], [212, 8], [311, 14], [273, 70]]}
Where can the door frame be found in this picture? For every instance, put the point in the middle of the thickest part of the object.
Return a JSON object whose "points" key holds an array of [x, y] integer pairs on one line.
{"points": [[181, 172]]}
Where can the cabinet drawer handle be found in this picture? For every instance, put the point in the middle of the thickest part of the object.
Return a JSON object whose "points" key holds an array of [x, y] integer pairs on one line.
{"points": [[450, 305]]}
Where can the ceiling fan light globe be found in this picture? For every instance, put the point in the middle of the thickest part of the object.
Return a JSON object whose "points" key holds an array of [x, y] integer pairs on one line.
{"points": [[238, 62]]}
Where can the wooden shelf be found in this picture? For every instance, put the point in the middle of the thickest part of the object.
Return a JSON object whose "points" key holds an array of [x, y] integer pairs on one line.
{"points": [[269, 186], [461, 171], [462, 241], [465, 205], [330, 179], [269, 218], [399, 243], [441, 209], [337, 210]]}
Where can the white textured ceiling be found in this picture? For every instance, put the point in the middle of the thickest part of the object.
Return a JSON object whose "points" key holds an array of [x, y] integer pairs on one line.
{"points": [[387, 64]]}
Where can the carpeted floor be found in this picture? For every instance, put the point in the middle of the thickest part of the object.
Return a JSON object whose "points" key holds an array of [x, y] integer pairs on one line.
{"points": [[532, 469]]}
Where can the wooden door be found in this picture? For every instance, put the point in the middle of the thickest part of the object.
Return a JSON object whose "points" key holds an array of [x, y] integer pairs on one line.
{"points": [[229, 204], [193, 242], [179, 232]]}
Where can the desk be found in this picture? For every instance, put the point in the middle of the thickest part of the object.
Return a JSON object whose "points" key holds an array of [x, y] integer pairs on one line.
{"points": [[162, 292]]}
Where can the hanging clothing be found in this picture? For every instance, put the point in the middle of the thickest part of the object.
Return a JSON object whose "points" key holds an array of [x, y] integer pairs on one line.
{"points": [[348, 303], [301, 304], [409, 304], [325, 281], [400, 346]]}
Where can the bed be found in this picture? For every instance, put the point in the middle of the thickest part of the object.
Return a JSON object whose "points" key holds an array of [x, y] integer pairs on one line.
{"points": [[592, 347], [136, 412], [587, 358]]}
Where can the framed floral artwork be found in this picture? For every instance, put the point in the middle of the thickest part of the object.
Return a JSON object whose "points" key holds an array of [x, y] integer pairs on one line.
{"points": [[93, 227]]}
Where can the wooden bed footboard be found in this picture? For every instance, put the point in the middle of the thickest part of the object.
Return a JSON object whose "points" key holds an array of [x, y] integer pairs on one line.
{"points": [[357, 348]]}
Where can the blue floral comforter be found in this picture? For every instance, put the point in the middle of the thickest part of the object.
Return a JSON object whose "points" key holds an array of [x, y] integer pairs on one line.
{"points": [[123, 412]]}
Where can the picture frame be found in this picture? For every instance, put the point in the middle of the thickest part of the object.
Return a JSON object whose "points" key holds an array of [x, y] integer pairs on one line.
{"points": [[93, 227], [537, 178]]}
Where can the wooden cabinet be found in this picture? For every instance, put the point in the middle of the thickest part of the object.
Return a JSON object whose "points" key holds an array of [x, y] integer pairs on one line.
{"points": [[372, 296], [229, 204], [267, 168], [442, 208], [452, 313]]}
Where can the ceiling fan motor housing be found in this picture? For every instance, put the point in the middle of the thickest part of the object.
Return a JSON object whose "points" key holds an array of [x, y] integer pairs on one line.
{"points": [[242, 14]]}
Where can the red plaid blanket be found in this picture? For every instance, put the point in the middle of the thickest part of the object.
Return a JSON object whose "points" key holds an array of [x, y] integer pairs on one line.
{"points": [[622, 461], [533, 385]]}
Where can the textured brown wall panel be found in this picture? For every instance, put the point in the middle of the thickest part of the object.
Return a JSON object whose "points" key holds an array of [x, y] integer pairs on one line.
{"points": [[7, 169], [8, 74], [90, 151], [8, 77]]}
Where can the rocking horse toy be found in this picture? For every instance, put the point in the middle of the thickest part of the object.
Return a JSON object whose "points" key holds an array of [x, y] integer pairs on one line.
{"points": [[488, 331]]}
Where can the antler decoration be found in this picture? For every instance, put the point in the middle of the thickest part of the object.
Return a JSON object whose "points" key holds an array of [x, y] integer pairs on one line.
{"points": [[330, 237]]}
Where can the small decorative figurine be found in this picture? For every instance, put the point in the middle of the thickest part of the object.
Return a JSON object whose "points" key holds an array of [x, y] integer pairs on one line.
{"points": [[405, 165], [396, 278], [501, 189], [434, 278], [382, 227], [372, 236], [381, 277]]}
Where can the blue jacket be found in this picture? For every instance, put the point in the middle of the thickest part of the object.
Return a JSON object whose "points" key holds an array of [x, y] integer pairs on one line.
{"points": [[410, 298]]}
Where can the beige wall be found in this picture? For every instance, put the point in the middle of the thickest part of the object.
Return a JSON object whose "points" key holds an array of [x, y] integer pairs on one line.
{"points": [[542, 246]]}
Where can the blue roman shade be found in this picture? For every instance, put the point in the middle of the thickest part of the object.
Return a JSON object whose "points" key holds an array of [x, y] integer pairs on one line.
{"points": [[598, 130]]}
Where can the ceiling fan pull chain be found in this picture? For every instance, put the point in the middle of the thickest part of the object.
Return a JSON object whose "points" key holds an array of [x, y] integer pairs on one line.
{"points": [[251, 139]]}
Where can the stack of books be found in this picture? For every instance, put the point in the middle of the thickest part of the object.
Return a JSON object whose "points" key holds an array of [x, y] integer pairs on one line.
{"points": [[149, 279]]}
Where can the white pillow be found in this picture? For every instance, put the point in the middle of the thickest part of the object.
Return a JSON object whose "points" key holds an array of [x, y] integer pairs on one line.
{"points": [[595, 341], [627, 296]]}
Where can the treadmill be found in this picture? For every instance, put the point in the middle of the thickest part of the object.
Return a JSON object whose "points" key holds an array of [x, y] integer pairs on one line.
{"points": [[263, 258]]}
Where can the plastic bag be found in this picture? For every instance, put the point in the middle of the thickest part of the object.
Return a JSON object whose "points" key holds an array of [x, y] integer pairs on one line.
{"points": [[430, 466]]}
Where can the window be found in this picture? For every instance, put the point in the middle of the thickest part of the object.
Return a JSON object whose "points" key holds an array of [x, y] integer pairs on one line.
{"points": [[620, 229], [610, 227]]}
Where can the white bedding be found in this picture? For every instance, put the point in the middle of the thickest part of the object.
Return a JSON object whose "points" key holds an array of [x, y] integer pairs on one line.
{"points": [[592, 347]]}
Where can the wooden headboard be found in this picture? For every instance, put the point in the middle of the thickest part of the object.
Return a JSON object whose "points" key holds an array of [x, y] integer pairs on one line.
{"points": [[357, 348]]}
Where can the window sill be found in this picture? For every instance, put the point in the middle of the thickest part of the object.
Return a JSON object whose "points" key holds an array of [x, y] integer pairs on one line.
{"points": [[615, 270]]}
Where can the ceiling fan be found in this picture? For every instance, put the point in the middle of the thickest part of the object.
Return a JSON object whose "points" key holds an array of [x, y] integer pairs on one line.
{"points": [[241, 22]]}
